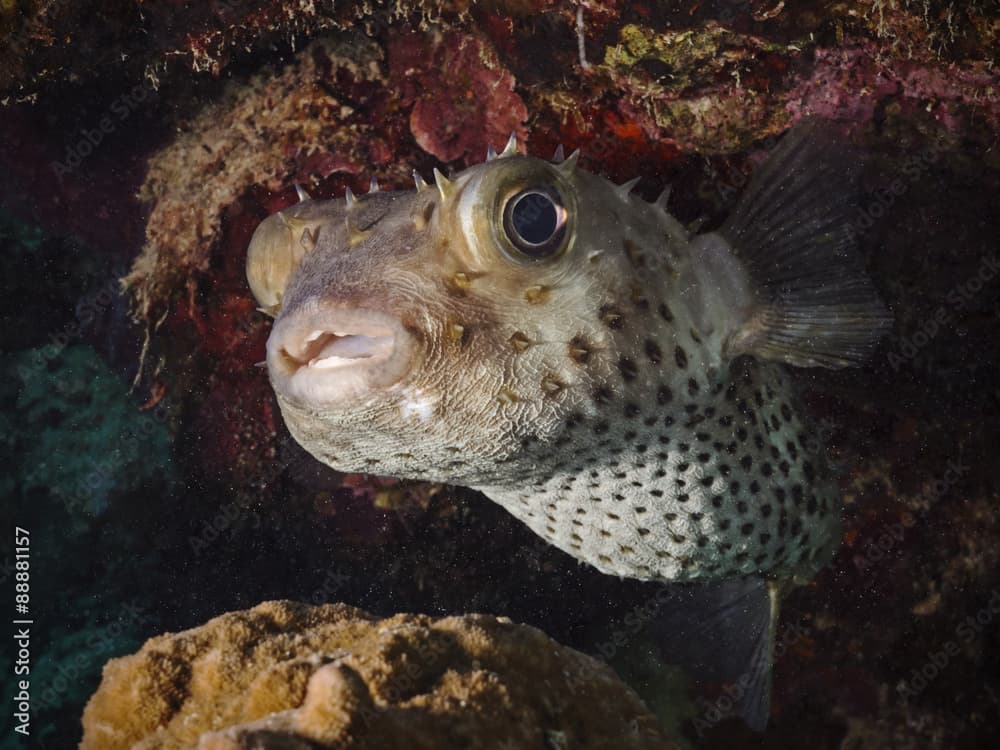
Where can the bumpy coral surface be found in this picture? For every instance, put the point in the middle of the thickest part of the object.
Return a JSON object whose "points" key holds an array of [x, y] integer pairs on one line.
{"points": [[286, 675]]}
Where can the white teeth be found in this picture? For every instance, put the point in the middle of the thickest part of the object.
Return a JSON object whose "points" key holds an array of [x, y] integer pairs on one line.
{"points": [[329, 362], [350, 347], [316, 334]]}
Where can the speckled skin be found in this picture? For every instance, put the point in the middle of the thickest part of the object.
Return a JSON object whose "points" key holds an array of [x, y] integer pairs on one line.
{"points": [[587, 394]]}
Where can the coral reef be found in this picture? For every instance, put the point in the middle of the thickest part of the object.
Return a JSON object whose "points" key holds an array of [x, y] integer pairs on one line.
{"points": [[285, 675]]}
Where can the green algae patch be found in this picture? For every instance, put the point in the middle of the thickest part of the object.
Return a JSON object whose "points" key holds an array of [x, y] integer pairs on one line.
{"points": [[79, 434]]}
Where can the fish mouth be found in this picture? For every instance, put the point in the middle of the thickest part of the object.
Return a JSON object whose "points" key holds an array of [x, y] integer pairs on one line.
{"points": [[329, 354]]}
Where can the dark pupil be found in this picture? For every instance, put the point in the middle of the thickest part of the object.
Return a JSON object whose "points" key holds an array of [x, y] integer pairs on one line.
{"points": [[534, 218]]}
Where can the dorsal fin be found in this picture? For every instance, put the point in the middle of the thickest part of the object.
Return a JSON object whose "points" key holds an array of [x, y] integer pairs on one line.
{"points": [[791, 233]]}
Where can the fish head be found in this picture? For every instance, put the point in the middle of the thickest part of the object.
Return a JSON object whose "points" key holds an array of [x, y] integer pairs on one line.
{"points": [[455, 332]]}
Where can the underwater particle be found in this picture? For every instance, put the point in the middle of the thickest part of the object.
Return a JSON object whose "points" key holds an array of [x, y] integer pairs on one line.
{"points": [[335, 676]]}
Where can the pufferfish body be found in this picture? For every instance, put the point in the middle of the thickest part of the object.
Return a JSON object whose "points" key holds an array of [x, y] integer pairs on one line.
{"points": [[533, 331]]}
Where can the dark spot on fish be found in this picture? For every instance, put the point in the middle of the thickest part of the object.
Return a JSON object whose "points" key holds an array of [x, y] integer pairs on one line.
{"points": [[681, 357], [601, 427], [797, 494], [664, 395], [741, 507], [683, 497], [653, 352], [766, 469], [786, 412], [746, 462], [754, 487], [611, 317], [811, 505], [665, 313], [628, 369], [633, 253], [693, 387], [701, 541], [579, 350], [707, 481], [651, 420], [639, 300], [631, 410], [656, 493], [717, 501], [603, 395], [519, 341], [765, 510], [670, 516], [746, 529], [809, 471], [639, 509]]}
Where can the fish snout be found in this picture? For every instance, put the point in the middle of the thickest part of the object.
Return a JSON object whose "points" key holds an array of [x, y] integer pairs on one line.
{"points": [[325, 354]]}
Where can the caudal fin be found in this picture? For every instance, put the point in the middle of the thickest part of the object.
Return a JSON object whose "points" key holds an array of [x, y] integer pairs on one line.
{"points": [[723, 633], [792, 233]]}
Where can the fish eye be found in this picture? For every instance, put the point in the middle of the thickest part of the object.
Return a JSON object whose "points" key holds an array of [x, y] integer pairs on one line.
{"points": [[534, 221]]}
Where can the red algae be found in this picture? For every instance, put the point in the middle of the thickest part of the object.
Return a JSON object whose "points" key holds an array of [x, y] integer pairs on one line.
{"points": [[463, 99]]}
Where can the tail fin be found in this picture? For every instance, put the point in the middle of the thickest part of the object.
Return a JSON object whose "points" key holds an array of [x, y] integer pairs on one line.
{"points": [[724, 633], [792, 233]]}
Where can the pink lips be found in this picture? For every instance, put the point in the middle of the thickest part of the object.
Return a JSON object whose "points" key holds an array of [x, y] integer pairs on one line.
{"points": [[325, 354]]}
